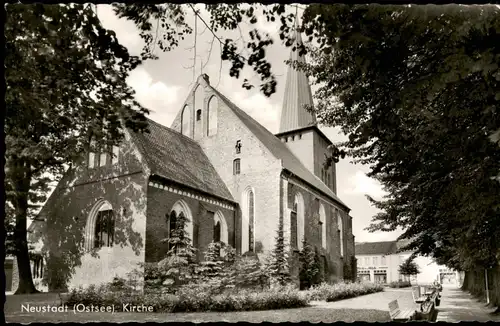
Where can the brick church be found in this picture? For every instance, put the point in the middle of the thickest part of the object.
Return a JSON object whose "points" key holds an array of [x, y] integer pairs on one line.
{"points": [[230, 176]]}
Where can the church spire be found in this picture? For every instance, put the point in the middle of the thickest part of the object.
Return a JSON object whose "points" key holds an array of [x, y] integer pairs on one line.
{"points": [[297, 94]]}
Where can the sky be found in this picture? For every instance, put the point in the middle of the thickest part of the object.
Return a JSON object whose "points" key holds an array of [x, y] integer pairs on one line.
{"points": [[162, 86]]}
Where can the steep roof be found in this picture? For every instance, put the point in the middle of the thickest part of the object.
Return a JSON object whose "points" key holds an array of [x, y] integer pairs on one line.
{"points": [[173, 156], [297, 94], [376, 248], [280, 150]]}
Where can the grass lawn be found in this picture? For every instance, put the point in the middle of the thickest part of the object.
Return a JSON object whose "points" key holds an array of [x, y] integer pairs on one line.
{"points": [[310, 314]]}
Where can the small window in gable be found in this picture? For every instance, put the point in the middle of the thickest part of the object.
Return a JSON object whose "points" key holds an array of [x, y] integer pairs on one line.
{"points": [[198, 115], [236, 166], [238, 146], [102, 159], [92, 155], [91, 160], [116, 152]]}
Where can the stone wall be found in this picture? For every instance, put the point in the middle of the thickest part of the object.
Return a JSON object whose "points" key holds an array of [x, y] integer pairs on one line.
{"points": [[66, 213], [161, 202], [334, 262], [261, 175]]}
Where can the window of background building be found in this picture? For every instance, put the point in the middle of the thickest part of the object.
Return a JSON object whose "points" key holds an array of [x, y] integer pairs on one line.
{"points": [[375, 261], [383, 260], [367, 261]]}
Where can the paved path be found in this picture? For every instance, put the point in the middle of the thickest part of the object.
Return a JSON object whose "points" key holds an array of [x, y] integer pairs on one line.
{"points": [[457, 305], [378, 301]]}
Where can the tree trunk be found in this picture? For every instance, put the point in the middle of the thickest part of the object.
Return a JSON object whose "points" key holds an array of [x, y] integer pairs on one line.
{"points": [[22, 185]]}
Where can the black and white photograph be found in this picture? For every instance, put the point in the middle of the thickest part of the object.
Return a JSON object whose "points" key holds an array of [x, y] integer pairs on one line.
{"points": [[251, 162]]}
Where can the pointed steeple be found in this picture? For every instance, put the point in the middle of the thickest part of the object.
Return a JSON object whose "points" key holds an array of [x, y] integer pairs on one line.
{"points": [[297, 94]]}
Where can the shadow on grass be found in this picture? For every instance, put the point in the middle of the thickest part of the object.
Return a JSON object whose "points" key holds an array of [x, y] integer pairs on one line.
{"points": [[309, 314]]}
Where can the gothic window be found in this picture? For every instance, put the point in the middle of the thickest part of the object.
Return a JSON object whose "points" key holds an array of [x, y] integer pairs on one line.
{"points": [[251, 221], [322, 225], [248, 220], [171, 223], [293, 224], [104, 229], [212, 116], [186, 121], [220, 228], [181, 211], [236, 166], [217, 232], [299, 224], [341, 234]]}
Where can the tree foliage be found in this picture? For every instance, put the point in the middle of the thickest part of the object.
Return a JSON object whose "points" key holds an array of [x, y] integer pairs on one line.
{"points": [[409, 267], [416, 89], [278, 267], [310, 272], [65, 84], [166, 25], [180, 262]]}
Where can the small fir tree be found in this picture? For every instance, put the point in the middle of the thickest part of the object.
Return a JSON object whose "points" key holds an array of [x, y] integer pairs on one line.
{"points": [[179, 263], [308, 265], [278, 266]]}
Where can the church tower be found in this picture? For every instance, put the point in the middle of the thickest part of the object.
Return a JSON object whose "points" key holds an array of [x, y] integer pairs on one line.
{"points": [[298, 127]]}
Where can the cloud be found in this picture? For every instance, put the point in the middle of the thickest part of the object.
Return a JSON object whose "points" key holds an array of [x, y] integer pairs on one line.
{"points": [[126, 32], [259, 107], [360, 184], [155, 95]]}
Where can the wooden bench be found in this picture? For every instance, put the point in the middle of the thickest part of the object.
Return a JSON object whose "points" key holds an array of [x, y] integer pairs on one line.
{"points": [[398, 314], [417, 297]]}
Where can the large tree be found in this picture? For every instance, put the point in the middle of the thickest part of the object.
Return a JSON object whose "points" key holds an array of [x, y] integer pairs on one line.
{"points": [[65, 77], [417, 90]]}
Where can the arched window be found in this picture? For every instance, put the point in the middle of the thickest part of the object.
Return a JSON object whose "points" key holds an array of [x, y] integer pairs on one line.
{"points": [[181, 210], [299, 225], [213, 105], [248, 220], [171, 223], [199, 97], [341, 234], [220, 228], [236, 166], [186, 121], [251, 210], [322, 225], [100, 228]]}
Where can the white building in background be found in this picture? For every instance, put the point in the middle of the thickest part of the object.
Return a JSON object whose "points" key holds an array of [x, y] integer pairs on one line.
{"points": [[379, 262]]}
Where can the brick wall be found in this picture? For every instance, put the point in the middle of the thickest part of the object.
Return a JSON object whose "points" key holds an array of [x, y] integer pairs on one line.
{"points": [[161, 202], [68, 209], [333, 260], [261, 174]]}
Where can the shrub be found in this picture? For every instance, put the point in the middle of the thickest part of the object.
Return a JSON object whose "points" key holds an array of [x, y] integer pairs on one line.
{"points": [[341, 290], [191, 299], [400, 284]]}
